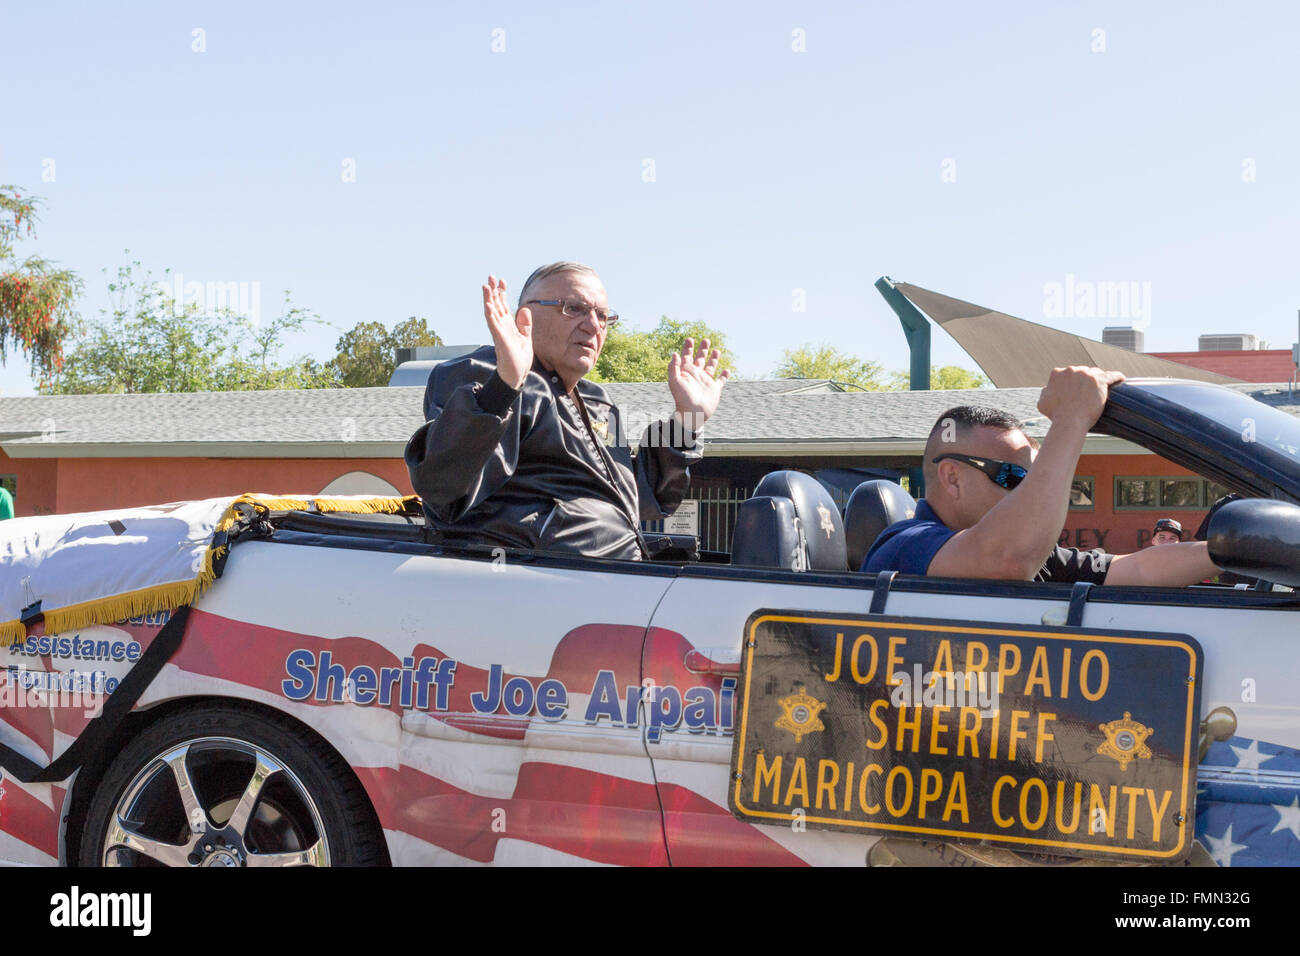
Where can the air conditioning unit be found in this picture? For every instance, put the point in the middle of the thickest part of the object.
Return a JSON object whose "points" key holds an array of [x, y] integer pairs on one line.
{"points": [[1237, 341], [432, 353], [414, 363], [1124, 336]]}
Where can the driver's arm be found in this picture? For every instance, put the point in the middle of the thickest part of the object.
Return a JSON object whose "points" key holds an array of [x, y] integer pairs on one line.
{"points": [[1012, 540], [1170, 565]]}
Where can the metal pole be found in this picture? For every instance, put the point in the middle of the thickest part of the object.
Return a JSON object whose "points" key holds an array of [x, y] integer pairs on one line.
{"points": [[917, 329], [1295, 358]]}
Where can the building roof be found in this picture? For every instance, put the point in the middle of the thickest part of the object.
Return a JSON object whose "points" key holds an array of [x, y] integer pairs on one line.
{"points": [[754, 417], [310, 423]]}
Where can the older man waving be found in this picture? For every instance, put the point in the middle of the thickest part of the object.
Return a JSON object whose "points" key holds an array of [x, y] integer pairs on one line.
{"points": [[520, 450]]}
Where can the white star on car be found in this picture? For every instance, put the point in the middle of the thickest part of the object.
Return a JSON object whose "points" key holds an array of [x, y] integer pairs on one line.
{"points": [[1222, 848], [1288, 818], [1249, 758]]}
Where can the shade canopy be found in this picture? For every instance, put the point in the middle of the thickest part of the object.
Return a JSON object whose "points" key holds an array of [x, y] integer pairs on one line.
{"points": [[1015, 353]]}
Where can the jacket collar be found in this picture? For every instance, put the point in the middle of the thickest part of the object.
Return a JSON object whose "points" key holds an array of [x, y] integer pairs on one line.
{"points": [[587, 389]]}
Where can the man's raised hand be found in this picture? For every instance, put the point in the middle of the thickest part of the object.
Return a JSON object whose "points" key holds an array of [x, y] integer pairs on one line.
{"points": [[512, 335], [1077, 394], [695, 382]]}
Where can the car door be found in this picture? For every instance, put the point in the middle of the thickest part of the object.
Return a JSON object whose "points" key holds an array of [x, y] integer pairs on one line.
{"points": [[692, 667], [1250, 713]]}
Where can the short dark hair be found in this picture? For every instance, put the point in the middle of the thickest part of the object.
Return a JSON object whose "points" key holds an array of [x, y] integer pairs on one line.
{"points": [[966, 417], [963, 418]]}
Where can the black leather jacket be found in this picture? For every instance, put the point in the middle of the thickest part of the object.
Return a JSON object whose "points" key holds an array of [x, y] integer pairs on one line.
{"points": [[522, 468]]}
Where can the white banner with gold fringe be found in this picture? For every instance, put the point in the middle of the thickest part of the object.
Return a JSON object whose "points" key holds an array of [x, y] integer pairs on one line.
{"points": [[105, 566]]}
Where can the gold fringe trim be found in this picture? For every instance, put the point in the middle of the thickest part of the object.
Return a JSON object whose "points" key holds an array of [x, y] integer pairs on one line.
{"points": [[353, 505], [166, 597], [109, 610]]}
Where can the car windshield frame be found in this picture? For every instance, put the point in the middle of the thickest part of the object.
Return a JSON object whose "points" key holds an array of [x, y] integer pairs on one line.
{"points": [[1220, 433]]}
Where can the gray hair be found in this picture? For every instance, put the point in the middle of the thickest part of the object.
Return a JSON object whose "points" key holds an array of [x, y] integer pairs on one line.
{"points": [[545, 272]]}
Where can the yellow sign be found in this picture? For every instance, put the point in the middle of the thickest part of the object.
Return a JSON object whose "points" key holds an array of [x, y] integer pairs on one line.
{"points": [[988, 734]]}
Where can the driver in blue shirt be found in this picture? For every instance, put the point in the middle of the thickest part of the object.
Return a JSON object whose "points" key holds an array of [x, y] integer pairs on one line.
{"points": [[988, 514]]}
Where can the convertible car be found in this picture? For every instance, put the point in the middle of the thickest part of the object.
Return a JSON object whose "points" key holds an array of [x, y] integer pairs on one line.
{"points": [[348, 693]]}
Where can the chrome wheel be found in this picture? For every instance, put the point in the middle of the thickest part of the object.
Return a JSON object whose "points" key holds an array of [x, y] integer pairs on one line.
{"points": [[215, 801]]}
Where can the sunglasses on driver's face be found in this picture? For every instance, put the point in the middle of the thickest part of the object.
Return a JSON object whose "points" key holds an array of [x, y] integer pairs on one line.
{"points": [[1002, 473]]}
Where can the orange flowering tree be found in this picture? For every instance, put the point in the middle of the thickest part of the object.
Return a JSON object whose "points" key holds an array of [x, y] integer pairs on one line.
{"points": [[36, 299]]}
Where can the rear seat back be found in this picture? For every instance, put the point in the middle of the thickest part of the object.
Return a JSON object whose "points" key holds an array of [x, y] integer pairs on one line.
{"points": [[767, 536], [808, 535], [873, 507]]}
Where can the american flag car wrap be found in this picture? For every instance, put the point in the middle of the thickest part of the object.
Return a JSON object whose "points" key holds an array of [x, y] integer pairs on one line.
{"points": [[517, 712], [30, 813], [509, 729], [432, 676], [1248, 803]]}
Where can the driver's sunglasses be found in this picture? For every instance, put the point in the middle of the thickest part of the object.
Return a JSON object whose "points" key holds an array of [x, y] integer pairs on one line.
{"points": [[1002, 473], [578, 309]]}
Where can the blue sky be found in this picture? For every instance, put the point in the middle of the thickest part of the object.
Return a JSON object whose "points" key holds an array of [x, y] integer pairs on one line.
{"points": [[982, 154]]}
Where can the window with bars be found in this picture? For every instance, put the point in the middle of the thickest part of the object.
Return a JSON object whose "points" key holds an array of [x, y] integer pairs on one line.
{"points": [[1082, 494], [1182, 492], [717, 510]]}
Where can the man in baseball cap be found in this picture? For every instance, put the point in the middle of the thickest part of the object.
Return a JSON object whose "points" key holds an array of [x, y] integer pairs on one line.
{"points": [[1167, 531]]}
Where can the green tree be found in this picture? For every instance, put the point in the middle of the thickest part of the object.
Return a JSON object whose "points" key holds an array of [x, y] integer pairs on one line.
{"points": [[366, 353], [954, 376], [36, 299], [147, 342], [250, 358], [947, 377], [828, 362], [632, 356]]}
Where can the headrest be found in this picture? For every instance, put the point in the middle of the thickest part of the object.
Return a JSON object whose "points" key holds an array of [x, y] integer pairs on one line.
{"points": [[766, 536], [818, 516], [873, 507]]}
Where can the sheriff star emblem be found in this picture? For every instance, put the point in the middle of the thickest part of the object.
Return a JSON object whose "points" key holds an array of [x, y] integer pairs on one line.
{"points": [[800, 714], [825, 514], [1124, 740], [601, 429]]}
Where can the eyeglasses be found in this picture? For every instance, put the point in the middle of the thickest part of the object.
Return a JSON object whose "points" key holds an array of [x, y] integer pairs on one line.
{"points": [[578, 309], [1002, 473]]}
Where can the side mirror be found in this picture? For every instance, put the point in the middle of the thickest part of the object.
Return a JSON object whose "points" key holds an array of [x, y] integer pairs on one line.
{"points": [[1258, 537]]}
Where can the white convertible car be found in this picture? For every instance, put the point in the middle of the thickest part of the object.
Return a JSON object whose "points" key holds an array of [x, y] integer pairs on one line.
{"points": [[347, 693]]}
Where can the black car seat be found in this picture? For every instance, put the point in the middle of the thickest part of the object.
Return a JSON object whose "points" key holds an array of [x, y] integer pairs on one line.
{"points": [[766, 536], [873, 507], [804, 533]]}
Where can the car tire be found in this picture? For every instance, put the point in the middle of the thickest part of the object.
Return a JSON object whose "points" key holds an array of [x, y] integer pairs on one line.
{"points": [[261, 792]]}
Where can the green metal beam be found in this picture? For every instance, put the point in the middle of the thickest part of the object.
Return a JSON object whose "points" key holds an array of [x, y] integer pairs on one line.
{"points": [[917, 329]]}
